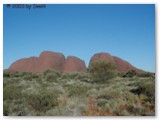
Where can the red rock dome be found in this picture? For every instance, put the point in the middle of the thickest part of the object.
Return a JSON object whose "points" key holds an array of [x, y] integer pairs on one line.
{"points": [[74, 64], [51, 60], [101, 56], [57, 61], [47, 60], [25, 65], [122, 65]]}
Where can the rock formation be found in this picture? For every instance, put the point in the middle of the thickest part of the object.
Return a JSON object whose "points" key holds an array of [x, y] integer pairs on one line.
{"points": [[25, 64], [57, 61], [46, 60], [49, 60], [101, 56], [122, 65], [74, 64]]}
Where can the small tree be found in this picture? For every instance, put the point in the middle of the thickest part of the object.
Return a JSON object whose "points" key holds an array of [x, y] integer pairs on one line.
{"points": [[102, 70]]}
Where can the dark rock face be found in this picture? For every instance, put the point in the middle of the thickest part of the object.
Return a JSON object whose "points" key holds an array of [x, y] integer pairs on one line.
{"points": [[74, 64], [122, 66]]}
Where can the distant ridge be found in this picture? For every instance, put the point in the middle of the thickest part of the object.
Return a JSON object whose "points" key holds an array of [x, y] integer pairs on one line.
{"points": [[57, 61]]}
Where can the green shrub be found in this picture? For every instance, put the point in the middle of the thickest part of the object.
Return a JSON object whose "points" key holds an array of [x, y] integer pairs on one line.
{"points": [[35, 76], [146, 74], [15, 74], [5, 109], [77, 76], [120, 74], [42, 101], [146, 89], [65, 76], [51, 77], [51, 71], [73, 75], [11, 92], [21, 74], [77, 90], [101, 104], [102, 70], [6, 75], [82, 76], [27, 77]]}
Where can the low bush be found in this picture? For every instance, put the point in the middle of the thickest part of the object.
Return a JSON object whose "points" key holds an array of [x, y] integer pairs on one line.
{"points": [[130, 73], [5, 109], [65, 76], [121, 74], [11, 92], [27, 77], [6, 75], [58, 74], [77, 90], [74, 75], [21, 74], [102, 70], [146, 74], [15, 74], [35, 76], [146, 89], [51, 77], [42, 101]]}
